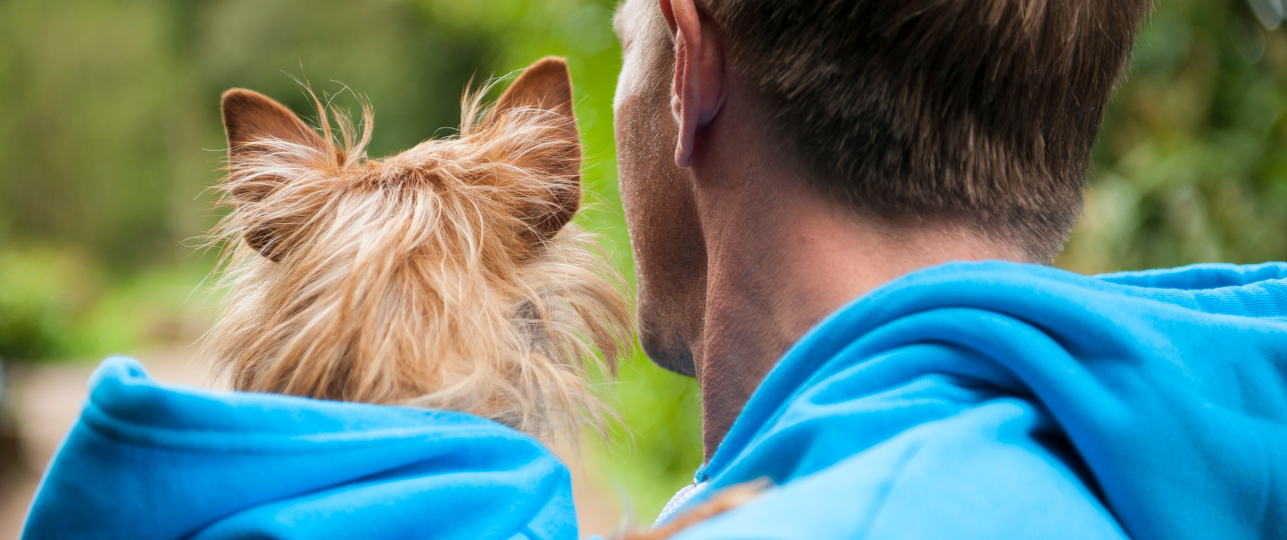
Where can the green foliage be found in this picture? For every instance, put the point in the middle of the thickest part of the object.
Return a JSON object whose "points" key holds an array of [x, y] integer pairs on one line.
{"points": [[117, 134], [657, 447], [164, 306], [41, 293], [90, 142], [56, 303], [1192, 164], [112, 138]]}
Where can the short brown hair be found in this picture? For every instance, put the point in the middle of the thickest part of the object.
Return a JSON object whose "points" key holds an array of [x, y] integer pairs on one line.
{"points": [[984, 110]]}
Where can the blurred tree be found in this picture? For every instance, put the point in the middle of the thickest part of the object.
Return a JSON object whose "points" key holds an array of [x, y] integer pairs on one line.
{"points": [[412, 73], [41, 291], [1192, 163], [117, 98], [90, 145]]}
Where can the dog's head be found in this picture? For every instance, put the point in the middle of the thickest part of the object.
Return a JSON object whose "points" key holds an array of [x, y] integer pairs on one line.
{"points": [[446, 276], [519, 167]]}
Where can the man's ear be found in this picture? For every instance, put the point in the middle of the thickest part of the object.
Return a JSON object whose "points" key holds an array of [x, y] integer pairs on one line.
{"points": [[547, 86], [250, 120], [699, 91]]}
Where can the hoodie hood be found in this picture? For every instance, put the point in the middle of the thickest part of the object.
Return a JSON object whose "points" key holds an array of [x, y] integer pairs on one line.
{"points": [[1000, 400], [146, 461]]}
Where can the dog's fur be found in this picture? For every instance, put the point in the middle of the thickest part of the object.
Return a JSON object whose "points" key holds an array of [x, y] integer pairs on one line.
{"points": [[444, 277]]}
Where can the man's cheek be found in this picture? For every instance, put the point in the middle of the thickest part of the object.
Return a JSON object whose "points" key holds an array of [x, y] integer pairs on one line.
{"points": [[626, 80], [631, 139], [627, 156]]}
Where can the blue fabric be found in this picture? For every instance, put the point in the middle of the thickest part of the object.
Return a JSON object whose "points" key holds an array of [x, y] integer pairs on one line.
{"points": [[151, 462], [998, 400]]}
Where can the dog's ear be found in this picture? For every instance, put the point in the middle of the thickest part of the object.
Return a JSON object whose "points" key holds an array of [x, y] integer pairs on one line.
{"points": [[547, 86], [251, 121], [249, 116]]}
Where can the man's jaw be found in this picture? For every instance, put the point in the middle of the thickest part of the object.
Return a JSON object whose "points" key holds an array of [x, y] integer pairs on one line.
{"points": [[667, 351]]}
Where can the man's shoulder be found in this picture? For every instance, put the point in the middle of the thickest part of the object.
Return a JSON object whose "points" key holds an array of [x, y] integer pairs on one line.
{"points": [[989, 472]]}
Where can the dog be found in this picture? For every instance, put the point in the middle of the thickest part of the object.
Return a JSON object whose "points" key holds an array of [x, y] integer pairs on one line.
{"points": [[447, 276]]}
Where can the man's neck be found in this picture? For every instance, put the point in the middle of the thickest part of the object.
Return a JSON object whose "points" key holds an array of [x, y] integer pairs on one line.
{"points": [[781, 258]]}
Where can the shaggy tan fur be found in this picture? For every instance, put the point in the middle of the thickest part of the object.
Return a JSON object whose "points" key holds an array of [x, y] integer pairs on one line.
{"points": [[443, 277]]}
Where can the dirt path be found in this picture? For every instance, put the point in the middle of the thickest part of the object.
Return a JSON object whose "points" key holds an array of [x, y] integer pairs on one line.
{"points": [[45, 399]]}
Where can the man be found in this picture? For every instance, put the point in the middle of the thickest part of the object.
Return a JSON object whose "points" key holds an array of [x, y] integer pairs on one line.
{"points": [[796, 174]]}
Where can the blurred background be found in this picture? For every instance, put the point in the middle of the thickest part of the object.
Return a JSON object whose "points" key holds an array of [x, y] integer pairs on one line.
{"points": [[110, 139]]}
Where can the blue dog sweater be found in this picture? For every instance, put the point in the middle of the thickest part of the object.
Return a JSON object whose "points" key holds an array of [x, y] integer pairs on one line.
{"points": [[146, 461]]}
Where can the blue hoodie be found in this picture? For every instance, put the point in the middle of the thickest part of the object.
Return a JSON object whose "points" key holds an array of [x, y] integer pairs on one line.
{"points": [[151, 462], [997, 400], [972, 400]]}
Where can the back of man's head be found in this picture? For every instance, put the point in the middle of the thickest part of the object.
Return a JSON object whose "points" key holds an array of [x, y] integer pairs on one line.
{"points": [[983, 111]]}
